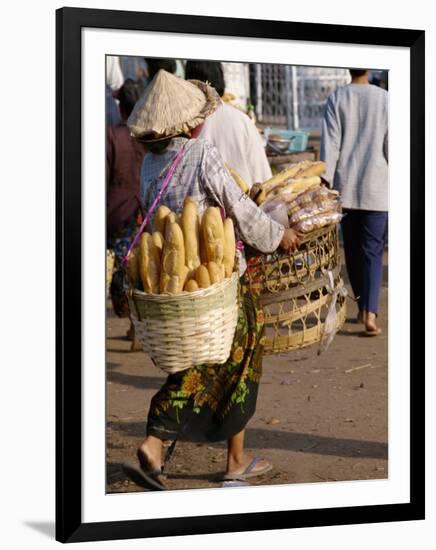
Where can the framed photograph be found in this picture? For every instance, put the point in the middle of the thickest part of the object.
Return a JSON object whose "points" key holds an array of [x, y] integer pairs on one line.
{"points": [[254, 366]]}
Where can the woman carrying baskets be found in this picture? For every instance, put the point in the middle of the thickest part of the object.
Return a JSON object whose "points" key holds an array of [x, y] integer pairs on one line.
{"points": [[203, 403]]}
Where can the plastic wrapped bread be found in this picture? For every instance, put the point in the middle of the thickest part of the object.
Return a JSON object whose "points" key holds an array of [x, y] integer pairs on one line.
{"points": [[314, 209], [318, 196], [317, 222]]}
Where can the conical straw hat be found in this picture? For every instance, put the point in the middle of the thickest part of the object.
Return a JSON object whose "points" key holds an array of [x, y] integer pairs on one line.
{"points": [[171, 105]]}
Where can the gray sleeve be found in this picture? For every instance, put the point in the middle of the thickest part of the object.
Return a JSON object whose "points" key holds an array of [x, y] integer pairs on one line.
{"points": [[385, 147], [330, 140], [255, 227], [386, 137]]}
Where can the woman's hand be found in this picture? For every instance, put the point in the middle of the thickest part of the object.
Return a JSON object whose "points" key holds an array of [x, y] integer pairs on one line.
{"points": [[290, 240]]}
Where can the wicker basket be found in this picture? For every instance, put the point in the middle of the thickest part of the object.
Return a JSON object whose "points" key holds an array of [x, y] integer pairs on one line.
{"points": [[319, 250], [188, 329], [295, 318], [295, 291]]}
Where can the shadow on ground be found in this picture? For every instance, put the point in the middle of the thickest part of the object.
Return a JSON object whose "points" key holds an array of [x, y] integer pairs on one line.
{"points": [[288, 441]]}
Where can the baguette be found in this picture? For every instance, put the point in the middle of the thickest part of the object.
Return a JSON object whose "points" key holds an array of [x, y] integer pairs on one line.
{"points": [[296, 186], [229, 247], [149, 264], [259, 192], [191, 234], [173, 258], [176, 282], [238, 180], [158, 241], [159, 218], [191, 285], [215, 272], [133, 267], [213, 235], [170, 218], [203, 255], [315, 169], [202, 276]]}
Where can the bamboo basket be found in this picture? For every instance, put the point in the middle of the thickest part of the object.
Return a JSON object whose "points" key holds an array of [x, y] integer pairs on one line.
{"points": [[188, 329], [295, 318], [319, 250], [295, 291]]}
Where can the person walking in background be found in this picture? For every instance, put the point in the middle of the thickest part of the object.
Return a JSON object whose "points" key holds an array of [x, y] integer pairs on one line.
{"points": [[112, 112], [154, 64], [354, 145], [124, 157], [114, 74], [230, 130]]}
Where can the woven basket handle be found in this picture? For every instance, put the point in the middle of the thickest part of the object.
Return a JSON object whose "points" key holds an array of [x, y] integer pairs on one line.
{"points": [[169, 175]]}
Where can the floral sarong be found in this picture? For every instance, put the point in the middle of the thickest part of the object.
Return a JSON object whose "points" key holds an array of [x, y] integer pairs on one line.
{"points": [[214, 402]]}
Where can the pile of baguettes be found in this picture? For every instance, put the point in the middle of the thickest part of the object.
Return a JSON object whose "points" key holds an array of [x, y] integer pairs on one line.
{"points": [[185, 252], [309, 204]]}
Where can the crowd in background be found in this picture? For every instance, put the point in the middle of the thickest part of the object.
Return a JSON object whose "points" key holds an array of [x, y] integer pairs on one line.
{"points": [[353, 145], [172, 140]]}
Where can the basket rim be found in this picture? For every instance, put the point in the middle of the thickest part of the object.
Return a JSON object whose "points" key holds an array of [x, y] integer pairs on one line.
{"points": [[185, 295]]}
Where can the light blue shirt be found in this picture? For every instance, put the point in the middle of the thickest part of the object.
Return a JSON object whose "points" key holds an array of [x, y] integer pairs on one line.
{"points": [[354, 145]]}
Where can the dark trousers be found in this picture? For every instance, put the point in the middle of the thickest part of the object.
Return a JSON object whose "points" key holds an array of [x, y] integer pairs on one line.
{"points": [[364, 237]]}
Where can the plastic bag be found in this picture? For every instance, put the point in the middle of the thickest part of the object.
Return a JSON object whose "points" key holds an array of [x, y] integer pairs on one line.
{"points": [[317, 222], [314, 209], [330, 322], [277, 210], [318, 195]]}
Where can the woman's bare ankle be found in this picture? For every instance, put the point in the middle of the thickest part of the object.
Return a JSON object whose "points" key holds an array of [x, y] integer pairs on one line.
{"points": [[150, 453], [238, 462], [370, 319]]}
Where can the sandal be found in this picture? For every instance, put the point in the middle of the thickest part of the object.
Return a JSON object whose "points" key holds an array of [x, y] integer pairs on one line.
{"points": [[149, 479], [376, 331], [142, 475], [248, 472]]}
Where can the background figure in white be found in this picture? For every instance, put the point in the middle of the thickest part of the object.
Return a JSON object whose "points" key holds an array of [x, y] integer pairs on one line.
{"points": [[230, 130], [114, 74]]}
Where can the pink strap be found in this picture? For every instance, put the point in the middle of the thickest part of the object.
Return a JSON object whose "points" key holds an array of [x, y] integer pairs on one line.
{"points": [[155, 202]]}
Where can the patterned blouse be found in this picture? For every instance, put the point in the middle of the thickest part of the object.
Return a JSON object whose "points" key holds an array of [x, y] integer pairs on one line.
{"points": [[201, 174]]}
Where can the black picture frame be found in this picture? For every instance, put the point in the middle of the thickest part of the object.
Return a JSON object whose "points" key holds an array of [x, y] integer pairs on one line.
{"points": [[69, 525]]}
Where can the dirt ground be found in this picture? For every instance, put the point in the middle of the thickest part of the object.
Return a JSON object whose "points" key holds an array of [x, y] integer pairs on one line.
{"points": [[318, 418]]}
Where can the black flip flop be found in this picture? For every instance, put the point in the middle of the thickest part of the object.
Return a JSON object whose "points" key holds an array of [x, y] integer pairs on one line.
{"points": [[144, 478]]}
